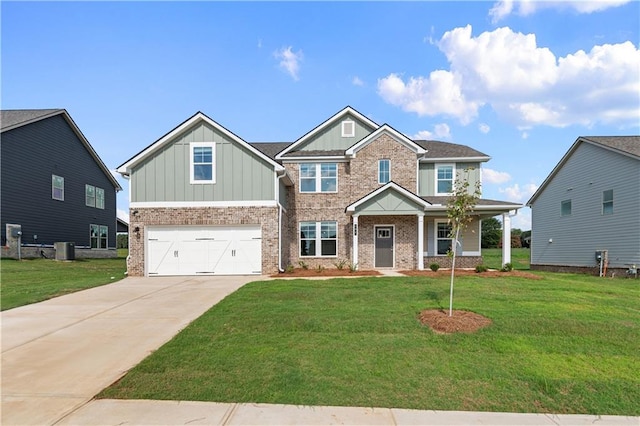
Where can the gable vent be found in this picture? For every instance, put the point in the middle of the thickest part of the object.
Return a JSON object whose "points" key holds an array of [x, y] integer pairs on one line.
{"points": [[348, 129]]}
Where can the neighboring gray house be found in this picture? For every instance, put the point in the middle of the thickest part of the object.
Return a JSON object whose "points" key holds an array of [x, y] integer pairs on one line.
{"points": [[55, 187], [590, 202], [204, 201]]}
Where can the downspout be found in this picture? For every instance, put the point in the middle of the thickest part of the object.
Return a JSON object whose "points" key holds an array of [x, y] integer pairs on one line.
{"points": [[280, 269]]}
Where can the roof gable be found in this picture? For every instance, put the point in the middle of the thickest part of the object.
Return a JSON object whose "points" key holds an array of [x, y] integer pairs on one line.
{"points": [[624, 145], [393, 133], [335, 120], [380, 194], [13, 119], [198, 117]]}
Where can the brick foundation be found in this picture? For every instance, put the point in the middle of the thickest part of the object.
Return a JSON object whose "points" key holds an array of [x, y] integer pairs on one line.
{"points": [[461, 261]]}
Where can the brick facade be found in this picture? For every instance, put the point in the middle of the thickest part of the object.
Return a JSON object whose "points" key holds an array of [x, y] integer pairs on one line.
{"points": [[266, 217]]}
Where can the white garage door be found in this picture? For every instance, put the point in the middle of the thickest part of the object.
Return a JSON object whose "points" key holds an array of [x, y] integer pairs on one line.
{"points": [[204, 250]]}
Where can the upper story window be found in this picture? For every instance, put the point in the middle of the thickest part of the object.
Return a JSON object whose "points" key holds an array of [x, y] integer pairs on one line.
{"points": [[202, 162], [607, 201], [444, 178], [57, 187], [384, 170], [94, 196], [348, 129], [318, 177], [565, 208]]}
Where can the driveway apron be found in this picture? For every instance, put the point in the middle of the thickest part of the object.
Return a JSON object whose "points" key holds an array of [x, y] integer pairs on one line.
{"points": [[58, 354]]}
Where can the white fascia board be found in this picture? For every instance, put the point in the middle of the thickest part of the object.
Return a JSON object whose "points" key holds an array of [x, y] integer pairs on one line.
{"points": [[457, 159], [324, 125], [317, 159], [385, 128], [199, 116], [183, 204], [388, 186]]}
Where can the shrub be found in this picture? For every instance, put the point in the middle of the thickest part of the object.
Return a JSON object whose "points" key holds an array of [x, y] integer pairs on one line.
{"points": [[508, 267], [289, 269], [319, 268], [353, 267], [481, 268], [304, 265], [434, 267], [340, 264]]}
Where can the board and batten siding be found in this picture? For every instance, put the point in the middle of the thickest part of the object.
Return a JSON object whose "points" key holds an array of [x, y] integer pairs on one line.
{"points": [[573, 240], [240, 175], [427, 176], [330, 139]]}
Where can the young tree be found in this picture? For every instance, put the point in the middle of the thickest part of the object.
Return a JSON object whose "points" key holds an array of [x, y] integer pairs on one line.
{"points": [[459, 208]]}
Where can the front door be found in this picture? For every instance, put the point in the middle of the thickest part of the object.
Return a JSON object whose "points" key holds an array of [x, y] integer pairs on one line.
{"points": [[384, 246]]}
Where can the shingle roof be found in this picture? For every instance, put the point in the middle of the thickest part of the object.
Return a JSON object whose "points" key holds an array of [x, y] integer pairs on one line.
{"points": [[270, 149], [482, 202], [437, 149], [626, 144], [12, 118]]}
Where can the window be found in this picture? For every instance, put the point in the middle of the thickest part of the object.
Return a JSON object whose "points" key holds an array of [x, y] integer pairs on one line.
{"points": [[348, 129], [318, 239], [565, 208], [57, 187], [384, 233], [99, 198], [94, 196], [607, 201], [318, 177], [98, 236], [384, 171], [444, 178], [202, 162], [443, 238]]}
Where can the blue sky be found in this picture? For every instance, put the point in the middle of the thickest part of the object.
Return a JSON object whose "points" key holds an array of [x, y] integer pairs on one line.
{"points": [[519, 81]]}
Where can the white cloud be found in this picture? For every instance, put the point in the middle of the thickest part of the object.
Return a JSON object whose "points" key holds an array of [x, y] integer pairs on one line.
{"points": [[290, 61], [524, 83], [356, 81], [493, 176], [522, 220], [441, 131], [259, 43], [123, 214], [504, 8], [484, 128], [517, 194]]}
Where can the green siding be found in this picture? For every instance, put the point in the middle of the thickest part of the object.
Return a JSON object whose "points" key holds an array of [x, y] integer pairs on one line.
{"points": [[282, 194], [389, 202], [240, 174], [331, 138], [427, 176]]}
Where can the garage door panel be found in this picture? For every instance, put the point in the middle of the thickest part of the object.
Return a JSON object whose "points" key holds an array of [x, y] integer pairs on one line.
{"points": [[162, 258]]}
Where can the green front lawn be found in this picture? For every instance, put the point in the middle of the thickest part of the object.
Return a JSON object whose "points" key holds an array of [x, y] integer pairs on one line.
{"points": [[34, 280], [520, 258], [562, 344]]}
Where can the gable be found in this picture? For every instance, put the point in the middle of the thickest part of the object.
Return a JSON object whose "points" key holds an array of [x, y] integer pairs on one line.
{"points": [[389, 202], [331, 139]]}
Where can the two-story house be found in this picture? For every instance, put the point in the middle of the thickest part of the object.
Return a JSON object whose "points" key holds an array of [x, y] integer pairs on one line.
{"points": [[589, 203], [204, 201], [55, 187]]}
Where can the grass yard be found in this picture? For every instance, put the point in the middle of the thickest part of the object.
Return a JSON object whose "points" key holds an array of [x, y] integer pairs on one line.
{"points": [[34, 280], [561, 344], [520, 258]]}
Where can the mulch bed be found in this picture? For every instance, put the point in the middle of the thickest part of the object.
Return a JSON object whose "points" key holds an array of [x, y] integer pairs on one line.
{"points": [[312, 272], [460, 322], [466, 272]]}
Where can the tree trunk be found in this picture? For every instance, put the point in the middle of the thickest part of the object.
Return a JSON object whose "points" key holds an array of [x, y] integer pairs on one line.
{"points": [[453, 269]]}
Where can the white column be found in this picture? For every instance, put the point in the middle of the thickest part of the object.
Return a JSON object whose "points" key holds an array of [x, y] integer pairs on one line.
{"points": [[355, 241], [420, 242], [506, 238]]}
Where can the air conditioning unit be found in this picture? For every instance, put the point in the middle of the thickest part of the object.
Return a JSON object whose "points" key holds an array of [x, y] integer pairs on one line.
{"points": [[65, 251]]}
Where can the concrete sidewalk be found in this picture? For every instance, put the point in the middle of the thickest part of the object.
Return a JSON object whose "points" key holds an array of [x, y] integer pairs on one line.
{"points": [[58, 354], [115, 412]]}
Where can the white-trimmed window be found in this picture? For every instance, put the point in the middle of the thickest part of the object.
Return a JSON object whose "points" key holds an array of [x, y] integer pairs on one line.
{"points": [[445, 174], [384, 170], [99, 236], [443, 238], [99, 198], [57, 187], [318, 239], [94, 196], [318, 177], [607, 201], [202, 162], [348, 129], [565, 208]]}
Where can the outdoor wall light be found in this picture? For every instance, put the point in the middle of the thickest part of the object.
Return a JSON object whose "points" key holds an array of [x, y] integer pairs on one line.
{"points": [[550, 240]]}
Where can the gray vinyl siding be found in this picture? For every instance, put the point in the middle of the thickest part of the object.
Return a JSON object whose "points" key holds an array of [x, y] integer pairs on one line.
{"points": [[331, 137], [240, 175], [588, 172], [30, 155], [427, 176]]}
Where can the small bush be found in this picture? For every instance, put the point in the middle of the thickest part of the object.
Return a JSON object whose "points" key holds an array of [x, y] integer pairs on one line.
{"points": [[508, 267], [304, 265], [340, 264], [353, 267], [319, 268], [434, 267], [289, 269], [481, 268]]}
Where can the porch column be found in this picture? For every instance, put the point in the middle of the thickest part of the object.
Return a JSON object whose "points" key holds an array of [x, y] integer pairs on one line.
{"points": [[420, 242], [506, 238], [355, 242]]}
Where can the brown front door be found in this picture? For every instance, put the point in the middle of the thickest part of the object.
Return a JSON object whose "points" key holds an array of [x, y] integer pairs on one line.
{"points": [[383, 246]]}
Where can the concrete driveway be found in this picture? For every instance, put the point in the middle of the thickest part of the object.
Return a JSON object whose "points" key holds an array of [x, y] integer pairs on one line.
{"points": [[58, 354]]}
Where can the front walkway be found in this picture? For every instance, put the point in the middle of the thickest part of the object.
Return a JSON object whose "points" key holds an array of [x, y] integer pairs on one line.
{"points": [[58, 354]]}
